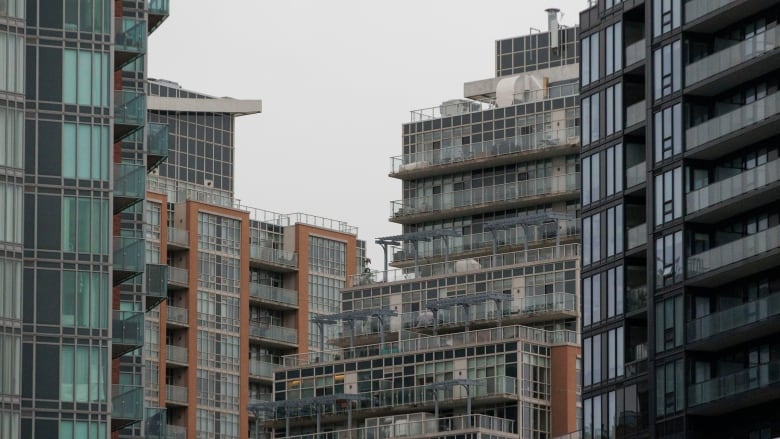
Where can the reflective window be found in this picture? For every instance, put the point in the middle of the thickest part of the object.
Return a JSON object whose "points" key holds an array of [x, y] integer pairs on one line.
{"points": [[83, 374], [85, 78], [10, 213], [590, 59], [668, 132], [10, 289], [85, 225], [669, 324], [11, 137], [614, 170], [88, 15], [667, 70], [614, 48], [669, 262], [666, 16], [670, 385], [668, 196], [15, 9], [614, 230], [86, 151], [614, 114], [85, 299], [11, 62]]}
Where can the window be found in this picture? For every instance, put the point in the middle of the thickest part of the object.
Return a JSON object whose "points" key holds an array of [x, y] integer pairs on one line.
{"points": [[85, 151], [614, 230], [668, 196], [11, 137], [670, 385], [668, 255], [669, 324], [82, 430], [10, 289], [88, 15], [11, 63], [615, 292], [85, 78], [10, 352], [614, 48], [592, 359], [591, 235], [614, 109], [10, 213], [591, 127], [590, 59], [612, 3], [668, 132], [615, 354], [83, 374], [85, 225], [666, 16], [591, 178], [14, 9], [614, 171], [85, 299], [667, 73]]}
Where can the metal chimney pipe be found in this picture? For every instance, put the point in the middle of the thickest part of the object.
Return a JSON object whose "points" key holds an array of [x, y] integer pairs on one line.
{"points": [[552, 25]]}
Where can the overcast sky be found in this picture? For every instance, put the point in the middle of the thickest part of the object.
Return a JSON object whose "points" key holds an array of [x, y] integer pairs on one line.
{"points": [[337, 79]]}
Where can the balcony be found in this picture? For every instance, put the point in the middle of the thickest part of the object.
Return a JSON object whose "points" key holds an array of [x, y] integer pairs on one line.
{"points": [[459, 158], [707, 16], [637, 236], [127, 405], [261, 370], [130, 40], [723, 134], [636, 299], [735, 65], [744, 191], [178, 239], [178, 278], [156, 284], [730, 327], [177, 432], [129, 185], [129, 112], [739, 258], [635, 114], [483, 199], [156, 145], [128, 332], [278, 335], [729, 393], [275, 297], [176, 356], [272, 258], [636, 363], [129, 258], [635, 52], [158, 10], [177, 316], [156, 423], [636, 175], [176, 395]]}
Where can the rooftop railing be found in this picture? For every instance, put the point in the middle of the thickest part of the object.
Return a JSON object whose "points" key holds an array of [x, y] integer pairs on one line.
{"points": [[735, 251], [734, 186], [455, 107], [733, 121]]}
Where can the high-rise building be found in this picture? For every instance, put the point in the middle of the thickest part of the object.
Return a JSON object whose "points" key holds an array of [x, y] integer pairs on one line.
{"points": [[681, 225], [242, 282], [475, 333]]}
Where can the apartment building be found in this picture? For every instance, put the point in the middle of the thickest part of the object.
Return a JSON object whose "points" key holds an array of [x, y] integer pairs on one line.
{"points": [[680, 218], [474, 333]]}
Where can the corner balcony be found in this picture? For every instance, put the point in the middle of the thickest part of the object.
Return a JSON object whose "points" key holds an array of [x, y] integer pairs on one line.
{"points": [[478, 200], [177, 317], [735, 65], [158, 11], [156, 284], [178, 239], [156, 145], [460, 158], [706, 16], [127, 332], [127, 405], [730, 327], [736, 129], [752, 386], [178, 278], [129, 185], [742, 192], [273, 335], [129, 40], [129, 112], [129, 258], [176, 356], [261, 370], [739, 258], [176, 395], [273, 297], [272, 258]]}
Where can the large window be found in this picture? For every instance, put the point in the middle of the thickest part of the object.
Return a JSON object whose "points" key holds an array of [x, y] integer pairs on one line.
{"points": [[666, 16], [614, 170], [667, 126], [85, 151], [10, 289], [614, 47], [83, 374], [85, 78], [85, 225], [669, 324], [11, 63], [591, 179], [614, 230], [82, 430], [10, 352], [327, 256], [614, 109], [591, 119], [668, 196], [591, 239], [670, 388], [10, 213], [590, 59], [668, 255], [88, 15], [11, 137], [667, 70], [85, 299]]}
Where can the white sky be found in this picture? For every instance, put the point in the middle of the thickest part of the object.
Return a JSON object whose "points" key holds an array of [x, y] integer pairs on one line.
{"points": [[337, 79]]}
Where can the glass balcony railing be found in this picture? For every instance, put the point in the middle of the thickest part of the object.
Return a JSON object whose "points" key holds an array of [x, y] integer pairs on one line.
{"points": [[637, 236], [178, 276], [636, 363], [734, 318], [129, 183], [270, 293], [747, 380], [128, 331], [276, 333], [489, 148], [177, 432], [734, 186], [733, 121], [636, 298], [176, 354], [129, 40], [129, 255], [695, 9], [732, 56], [156, 425], [156, 284], [733, 252], [635, 52], [261, 369], [159, 7], [179, 237], [127, 402], [490, 194], [636, 113], [176, 394], [273, 255], [636, 174], [178, 315], [156, 145], [129, 108]]}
